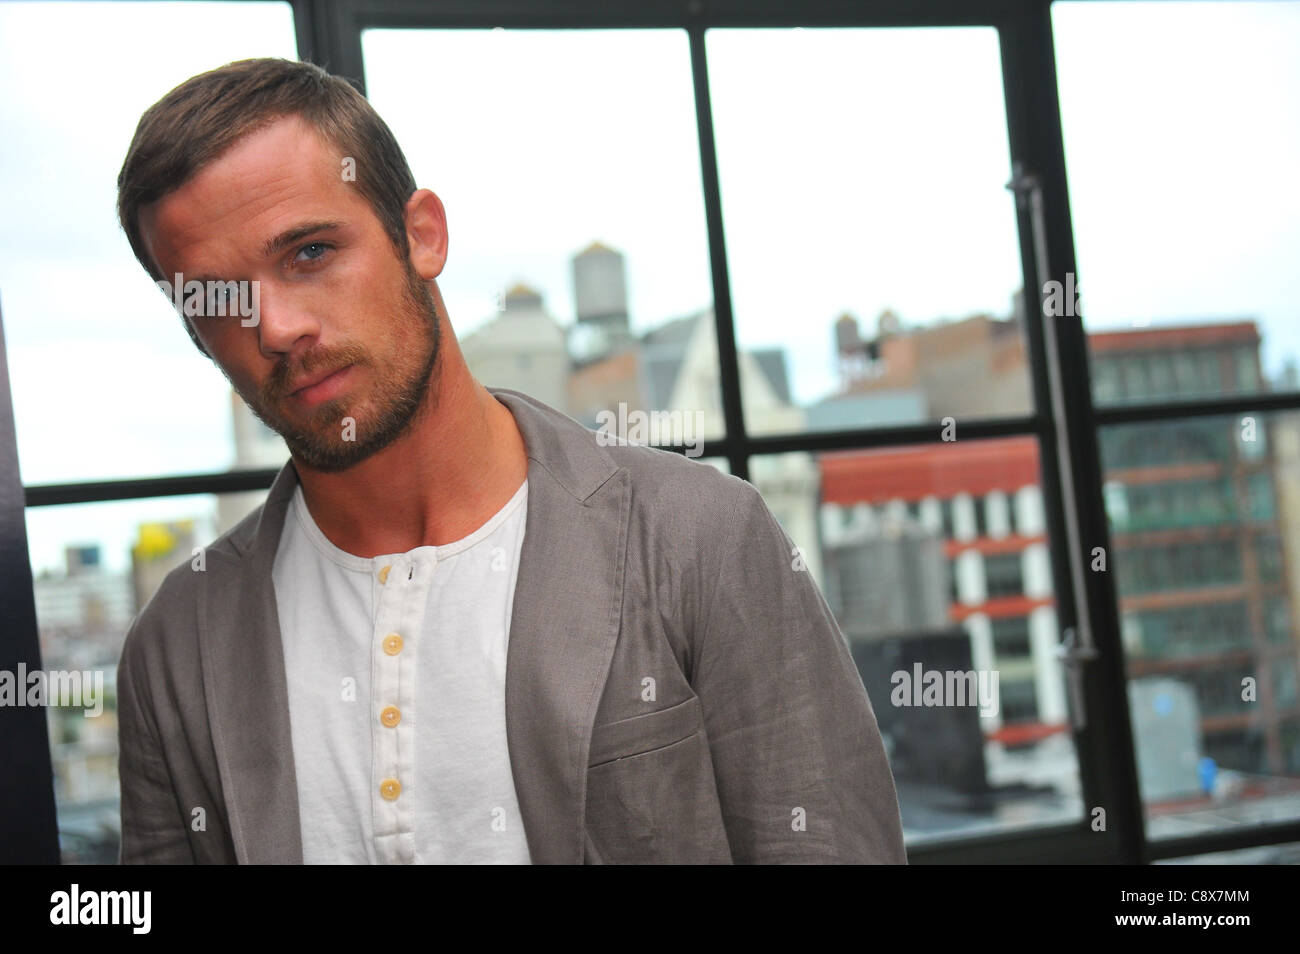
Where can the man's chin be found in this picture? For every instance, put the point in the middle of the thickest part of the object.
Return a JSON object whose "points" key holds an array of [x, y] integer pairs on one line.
{"points": [[330, 456], [325, 464], [333, 449]]}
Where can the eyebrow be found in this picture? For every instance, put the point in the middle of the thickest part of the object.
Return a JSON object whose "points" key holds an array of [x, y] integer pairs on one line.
{"points": [[274, 246]]}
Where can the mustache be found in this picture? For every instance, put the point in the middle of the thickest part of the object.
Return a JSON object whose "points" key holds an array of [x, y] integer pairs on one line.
{"points": [[278, 383]]}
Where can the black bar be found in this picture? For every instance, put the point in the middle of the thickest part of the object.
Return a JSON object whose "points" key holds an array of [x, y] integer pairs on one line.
{"points": [[724, 323], [572, 14], [1262, 403], [137, 488], [305, 28], [237, 481], [28, 828], [1049, 844], [1106, 748], [1254, 836], [328, 36]]}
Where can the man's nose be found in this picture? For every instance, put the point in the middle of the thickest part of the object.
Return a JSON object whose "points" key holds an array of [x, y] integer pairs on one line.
{"points": [[281, 321]]}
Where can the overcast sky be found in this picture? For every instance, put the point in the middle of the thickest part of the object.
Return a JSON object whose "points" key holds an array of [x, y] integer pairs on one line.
{"points": [[860, 170]]}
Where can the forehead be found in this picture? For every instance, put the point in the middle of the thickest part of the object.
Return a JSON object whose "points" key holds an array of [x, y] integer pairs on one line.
{"points": [[270, 180]]}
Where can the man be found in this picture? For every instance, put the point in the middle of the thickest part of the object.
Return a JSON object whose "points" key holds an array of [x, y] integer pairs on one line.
{"points": [[459, 629]]}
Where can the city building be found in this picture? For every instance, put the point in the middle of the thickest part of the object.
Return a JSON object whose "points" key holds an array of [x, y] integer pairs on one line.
{"points": [[1203, 513], [523, 347], [82, 614], [1200, 544]]}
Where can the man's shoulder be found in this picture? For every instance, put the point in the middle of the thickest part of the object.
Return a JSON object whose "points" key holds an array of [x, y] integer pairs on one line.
{"points": [[176, 600], [689, 512], [583, 458], [665, 482]]}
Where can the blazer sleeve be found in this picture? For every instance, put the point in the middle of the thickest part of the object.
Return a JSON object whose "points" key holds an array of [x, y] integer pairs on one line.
{"points": [[800, 765], [153, 827]]}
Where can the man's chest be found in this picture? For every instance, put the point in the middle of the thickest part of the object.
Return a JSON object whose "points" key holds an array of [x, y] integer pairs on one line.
{"points": [[396, 680]]}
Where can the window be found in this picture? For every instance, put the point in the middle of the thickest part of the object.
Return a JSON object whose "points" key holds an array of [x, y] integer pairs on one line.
{"points": [[979, 507], [1162, 376], [171, 414], [1135, 378], [1201, 284], [1204, 548], [594, 207], [895, 597], [586, 318], [1247, 370], [1268, 552], [1202, 585], [1284, 683], [1176, 503], [83, 609], [1196, 563], [1212, 629], [1259, 496], [1019, 701], [1004, 575], [1011, 638], [1277, 620], [899, 348], [1106, 383], [946, 517], [105, 382]]}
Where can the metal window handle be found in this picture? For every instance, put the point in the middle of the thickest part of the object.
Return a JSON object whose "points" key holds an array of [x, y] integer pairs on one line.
{"points": [[1074, 653], [1076, 647]]}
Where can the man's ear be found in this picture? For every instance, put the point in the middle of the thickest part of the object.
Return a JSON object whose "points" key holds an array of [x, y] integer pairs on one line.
{"points": [[426, 233]]}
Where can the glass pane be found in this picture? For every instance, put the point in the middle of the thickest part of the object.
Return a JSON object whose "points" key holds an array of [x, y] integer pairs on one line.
{"points": [[1205, 523], [94, 566], [568, 164], [872, 244], [1182, 154], [106, 383], [891, 538]]}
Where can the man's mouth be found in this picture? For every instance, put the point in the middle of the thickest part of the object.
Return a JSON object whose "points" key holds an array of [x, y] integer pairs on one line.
{"points": [[321, 387]]}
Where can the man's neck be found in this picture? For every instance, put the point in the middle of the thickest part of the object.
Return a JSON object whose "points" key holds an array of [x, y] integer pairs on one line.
{"points": [[460, 462]]}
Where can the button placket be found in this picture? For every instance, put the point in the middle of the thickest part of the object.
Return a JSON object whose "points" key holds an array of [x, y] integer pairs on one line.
{"points": [[392, 815], [402, 596]]}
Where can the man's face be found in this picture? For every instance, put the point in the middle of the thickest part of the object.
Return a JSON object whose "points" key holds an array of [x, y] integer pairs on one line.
{"points": [[334, 295]]}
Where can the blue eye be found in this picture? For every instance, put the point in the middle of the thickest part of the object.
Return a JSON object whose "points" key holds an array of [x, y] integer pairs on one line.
{"points": [[320, 246]]}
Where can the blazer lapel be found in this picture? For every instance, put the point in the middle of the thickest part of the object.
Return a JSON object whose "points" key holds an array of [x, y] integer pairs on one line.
{"points": [[564, 623], [246, 691]]}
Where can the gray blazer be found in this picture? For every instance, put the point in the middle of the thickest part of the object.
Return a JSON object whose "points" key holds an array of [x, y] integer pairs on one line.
{"points": [[757, 743]]}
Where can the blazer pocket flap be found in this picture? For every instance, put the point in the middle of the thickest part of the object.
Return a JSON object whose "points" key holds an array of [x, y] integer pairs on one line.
{"points": [[644, 733]]}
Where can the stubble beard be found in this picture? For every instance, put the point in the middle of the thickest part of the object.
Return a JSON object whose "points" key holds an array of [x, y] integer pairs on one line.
{"points": [[323, 444]]}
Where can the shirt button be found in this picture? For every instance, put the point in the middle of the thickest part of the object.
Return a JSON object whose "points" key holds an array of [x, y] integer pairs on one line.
{"points": [[390, 788], [390, 716], [383, 574], [392, 644]]}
